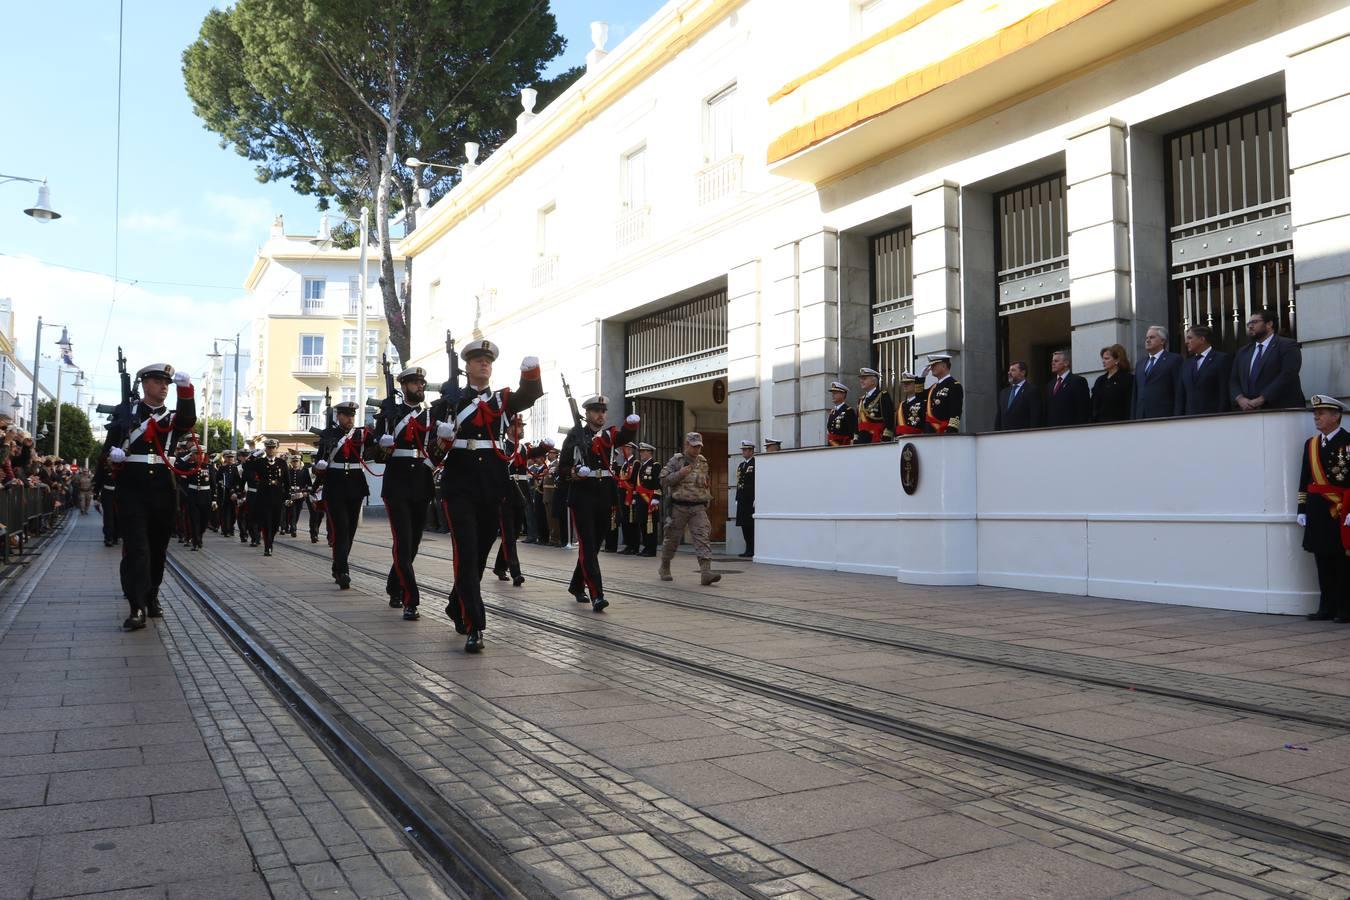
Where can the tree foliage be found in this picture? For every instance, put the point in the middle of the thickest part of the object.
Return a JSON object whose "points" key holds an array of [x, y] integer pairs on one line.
{"points": [[220, 434], [334, 96], [77, 439]]}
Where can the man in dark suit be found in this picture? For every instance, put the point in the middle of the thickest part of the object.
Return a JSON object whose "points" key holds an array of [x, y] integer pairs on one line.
{"points": [[1019, 405], [1068, 399], [1265, 373], [1204, 375], [1157, 381]]}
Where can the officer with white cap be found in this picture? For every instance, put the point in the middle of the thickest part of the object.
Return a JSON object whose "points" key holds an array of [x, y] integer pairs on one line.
{"points": [[339, 472], [138, 435], [1324, 507], [876, 410], [270, 477], [944, 398], [841, 423], [745, 496], [407, 437]]}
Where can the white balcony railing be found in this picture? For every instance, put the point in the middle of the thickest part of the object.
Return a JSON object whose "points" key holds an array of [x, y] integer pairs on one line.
{"points": [[545, 271], [310, 365], [306, 421], [632, 226], [312, 306], [719, 180]]}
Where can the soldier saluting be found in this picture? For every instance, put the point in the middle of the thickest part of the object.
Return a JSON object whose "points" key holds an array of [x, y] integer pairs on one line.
{"points": [[876, 410], [270, 478], [475, 479], [137, 435], [338, 473], [1324, 507]]}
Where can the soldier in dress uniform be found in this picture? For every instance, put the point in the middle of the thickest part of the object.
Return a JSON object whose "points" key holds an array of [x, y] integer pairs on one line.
{"points": [[910, 419], [745, 497], [137, 435], [475, 482], [270, 477], [301, 483], [199, 485], [618, 458], [632, 541], [841, 423], [244, 500], [314, 503], [1324, 507], [106, 502], [944, 397], [226, 476], [647, 498], [585, 467], [408, 441], [876, 410], [512, 510], [339, 474], [686, 477]]}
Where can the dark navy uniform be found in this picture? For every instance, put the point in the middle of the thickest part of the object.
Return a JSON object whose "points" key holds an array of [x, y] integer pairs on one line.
{"points": [[339, 472], [745, 500], [270, 479], [841, 425], [1324, 504], [476, 477], [107, 496], [199, 488], [647, 502], [632, 540], [407, 438], [876, 418], [513, 507], [146, 496], [942, 406]]}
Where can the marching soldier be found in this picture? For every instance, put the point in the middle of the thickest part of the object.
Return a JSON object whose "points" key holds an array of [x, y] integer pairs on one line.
{"points": [[627, 495], [245, 504], [944, 397], [314, 503], [137, 435], [584, 466], [513, 504], [270, 478], [301, 483], [876, 410], [647, 498], [745, 497], [841, 424], [475, 482], [407, 488], [182, 461], [200, 486], [107, 501], [686, 477], [226, 478], [338, 473], [1324, 507]]}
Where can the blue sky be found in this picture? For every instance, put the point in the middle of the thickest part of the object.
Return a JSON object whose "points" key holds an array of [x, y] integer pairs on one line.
{"points": [[192, 214]]}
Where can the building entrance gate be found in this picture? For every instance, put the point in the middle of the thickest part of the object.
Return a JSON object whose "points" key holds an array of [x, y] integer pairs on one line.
{"points": [[1033, 273]]}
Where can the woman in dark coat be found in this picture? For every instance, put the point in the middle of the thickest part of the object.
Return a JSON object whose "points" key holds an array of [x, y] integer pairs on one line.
{"points": [[1113, 393]]}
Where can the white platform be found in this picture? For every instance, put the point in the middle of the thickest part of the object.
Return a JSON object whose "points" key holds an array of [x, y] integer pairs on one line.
{"points": [[1198, 512]]}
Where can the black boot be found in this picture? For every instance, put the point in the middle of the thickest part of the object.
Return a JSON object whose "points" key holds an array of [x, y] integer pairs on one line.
{"points": [[599, 604], [344, 581], [410, 614], [135, 620], [580, 596], [501, 576], [475, 642], [395, 602], [154, 611], [518, 580]]}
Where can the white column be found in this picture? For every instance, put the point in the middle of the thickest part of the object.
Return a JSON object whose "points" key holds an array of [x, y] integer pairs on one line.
{"points": [[743, 377], [782, 340], [1099, 249], [937, 273], [1317, 86], [818, 330]]}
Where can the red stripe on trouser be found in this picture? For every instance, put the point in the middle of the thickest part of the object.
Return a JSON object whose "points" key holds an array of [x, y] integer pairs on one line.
{"points": [[398, 570], [501, 525], [454, 564], [581, 554]]}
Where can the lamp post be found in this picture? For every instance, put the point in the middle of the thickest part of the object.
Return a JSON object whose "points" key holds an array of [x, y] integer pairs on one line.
{"points": [[42, 207], [324, 237], [37, 360], [234, 421]]}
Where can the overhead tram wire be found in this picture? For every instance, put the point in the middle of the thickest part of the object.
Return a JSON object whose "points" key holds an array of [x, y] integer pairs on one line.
{"points": [[117, 193]]}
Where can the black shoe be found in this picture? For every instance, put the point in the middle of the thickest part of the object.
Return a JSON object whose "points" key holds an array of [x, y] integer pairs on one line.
{"points": [[650, 554], [253, 543], [518, 580], [313, 538], [501, 576], [410, 614], [344, 581], [395, 603], [135, 620], [475, 642], [746, 555], [155, 612], [580, 597], [1319, 617], [267, 551], [599, 604]]}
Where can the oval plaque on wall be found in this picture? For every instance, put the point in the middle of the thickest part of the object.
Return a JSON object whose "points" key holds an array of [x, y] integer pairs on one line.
{"points": [[719, 391], [909, 468]]}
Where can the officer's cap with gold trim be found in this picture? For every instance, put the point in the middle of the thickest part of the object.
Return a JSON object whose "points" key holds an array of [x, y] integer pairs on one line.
{"points": [[747, 445], [155, 370], [631, 445], [479, 348], [772, 442], [868, 370], [646, 446], [595, 401], [939, 357], [838, 386], [225, 453], [346, 406], [271, 442], [1323, 401], [412, 372]]}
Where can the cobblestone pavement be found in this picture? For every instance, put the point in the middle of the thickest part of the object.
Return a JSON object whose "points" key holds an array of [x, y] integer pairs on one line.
{"points": [[157, 764]]}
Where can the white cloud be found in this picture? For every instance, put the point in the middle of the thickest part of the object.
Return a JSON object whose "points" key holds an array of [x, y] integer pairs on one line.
{"points": [[150, 327], [223, 218]]}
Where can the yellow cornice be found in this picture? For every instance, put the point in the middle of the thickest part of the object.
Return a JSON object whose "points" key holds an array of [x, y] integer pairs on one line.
{"points": [[254, 273], [1003, 43], [565, 116]]}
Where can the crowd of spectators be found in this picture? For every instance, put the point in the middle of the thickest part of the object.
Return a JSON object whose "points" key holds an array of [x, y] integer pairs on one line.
{"points": [[20, 464], [1263, 374]]}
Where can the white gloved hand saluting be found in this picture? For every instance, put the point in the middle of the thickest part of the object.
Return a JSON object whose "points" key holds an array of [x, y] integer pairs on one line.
{"points": [[321, 465], [583, 471], [182, 379], [446, 431], [1302, 520], [117, 455], [528, 363], [386, 441], [633, 421]]}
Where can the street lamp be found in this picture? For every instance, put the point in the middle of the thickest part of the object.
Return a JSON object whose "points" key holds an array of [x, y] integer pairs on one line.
{"points": [[65, 345], [234, 421], [325, 236], [42, 208]]}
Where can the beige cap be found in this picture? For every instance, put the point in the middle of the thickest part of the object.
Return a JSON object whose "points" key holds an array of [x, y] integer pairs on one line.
{"points": [[694, 438]]}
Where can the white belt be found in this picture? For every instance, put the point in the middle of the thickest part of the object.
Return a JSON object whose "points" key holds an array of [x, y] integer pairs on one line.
{"points": [[596, 473], [250, 489], [405, 452], [345, 467], [110, 487], [521, 478], [199, 487], [475, 444], [148, 459]]}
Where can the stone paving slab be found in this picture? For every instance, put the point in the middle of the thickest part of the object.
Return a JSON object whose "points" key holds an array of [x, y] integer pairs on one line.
{"points": [[496, 754], [116, 777]]}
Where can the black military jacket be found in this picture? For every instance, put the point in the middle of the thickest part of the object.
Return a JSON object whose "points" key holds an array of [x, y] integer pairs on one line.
{"points": [[1325, 512], [343, 451], [745, 492], [841, 425], [269, 476], [875, 408], [942, 406], [477, 460], [409, 463], [138, 430]]}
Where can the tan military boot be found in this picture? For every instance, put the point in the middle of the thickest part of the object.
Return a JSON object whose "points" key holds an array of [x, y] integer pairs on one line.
{"points": [[664, 571], [707, 576]]}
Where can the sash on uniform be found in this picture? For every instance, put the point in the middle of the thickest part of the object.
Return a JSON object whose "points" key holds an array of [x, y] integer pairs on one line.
{"points": [[1338, 496]]}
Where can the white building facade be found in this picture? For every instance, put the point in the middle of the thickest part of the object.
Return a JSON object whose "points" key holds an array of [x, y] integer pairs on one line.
{"points": [[747, 200]]}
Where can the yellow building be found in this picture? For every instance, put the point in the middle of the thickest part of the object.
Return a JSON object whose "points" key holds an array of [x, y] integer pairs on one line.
{"points": [[305, 337]]}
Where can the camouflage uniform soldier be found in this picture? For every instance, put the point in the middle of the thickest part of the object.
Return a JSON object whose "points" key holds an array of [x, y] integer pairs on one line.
{"points": [[686, 477]]}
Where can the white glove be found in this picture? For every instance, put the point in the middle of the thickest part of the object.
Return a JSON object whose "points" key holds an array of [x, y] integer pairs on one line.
{"points": [[528, 363], [446, 431], [215, 505], [117, 455], [583, 471], [1302, 520], [1347, 520], [288, 503], [548, 442], [321, 465], [386, 441], [633, 421], [182, 379]]}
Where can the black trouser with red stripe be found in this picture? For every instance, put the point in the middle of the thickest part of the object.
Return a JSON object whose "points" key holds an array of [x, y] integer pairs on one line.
{"points": [[474, 523], [344, 513], [589, 505], [199, 513], [407, 521], [508, 524]]}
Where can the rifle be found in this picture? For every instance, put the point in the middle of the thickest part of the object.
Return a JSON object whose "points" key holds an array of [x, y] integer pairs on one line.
{"points": [[450, 387], [128, 393], [391, 395], [571, 402], [327, 413]]}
